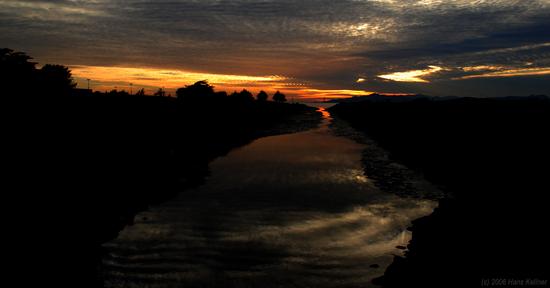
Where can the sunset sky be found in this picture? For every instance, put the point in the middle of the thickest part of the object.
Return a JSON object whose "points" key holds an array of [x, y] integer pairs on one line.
{"points": [[309, 48]]}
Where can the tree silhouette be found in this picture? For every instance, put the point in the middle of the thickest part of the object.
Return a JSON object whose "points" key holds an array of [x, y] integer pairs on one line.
{"points": [[56, 80], [279, 97], [201, 90], [15, 63], [262, 96], [17, 73]]}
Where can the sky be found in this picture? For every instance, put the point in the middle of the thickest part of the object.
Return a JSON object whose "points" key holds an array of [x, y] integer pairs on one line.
{"points": [[308, 49]]}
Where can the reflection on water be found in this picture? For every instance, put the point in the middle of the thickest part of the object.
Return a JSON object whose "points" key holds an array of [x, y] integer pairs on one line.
{"points": [[289, 210]]}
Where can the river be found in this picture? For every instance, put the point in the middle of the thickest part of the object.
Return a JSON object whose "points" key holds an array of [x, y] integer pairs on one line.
{"points": [[293, 210]]}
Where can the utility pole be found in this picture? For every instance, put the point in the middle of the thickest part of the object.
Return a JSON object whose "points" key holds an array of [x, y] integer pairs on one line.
{"points": [[88, 83], [131, 91]]}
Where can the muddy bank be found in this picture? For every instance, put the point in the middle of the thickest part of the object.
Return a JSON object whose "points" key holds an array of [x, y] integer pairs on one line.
{"points": [[387, 172], [490, 154]]}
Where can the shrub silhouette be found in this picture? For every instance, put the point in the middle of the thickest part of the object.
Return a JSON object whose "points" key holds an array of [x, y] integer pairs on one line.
{"points": [[279, 97], [262, 96]]}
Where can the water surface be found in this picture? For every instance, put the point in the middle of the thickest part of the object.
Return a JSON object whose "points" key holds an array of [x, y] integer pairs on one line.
{"points": [[293, 210]]}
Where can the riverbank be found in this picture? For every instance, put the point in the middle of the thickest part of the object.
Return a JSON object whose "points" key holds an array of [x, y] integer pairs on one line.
{"points": [[388, 173], [490, 154], [96, 161]]}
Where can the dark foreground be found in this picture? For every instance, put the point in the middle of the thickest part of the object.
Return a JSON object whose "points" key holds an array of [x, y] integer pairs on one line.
{"points": [[86, 165], [491, 156]]}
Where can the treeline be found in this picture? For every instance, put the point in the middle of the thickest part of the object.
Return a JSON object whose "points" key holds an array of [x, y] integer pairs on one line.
{"points": [[202, 92], [21, 77]]}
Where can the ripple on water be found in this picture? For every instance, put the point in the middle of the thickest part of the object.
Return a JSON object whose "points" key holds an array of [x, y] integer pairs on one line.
{"points": [[290, 210]]}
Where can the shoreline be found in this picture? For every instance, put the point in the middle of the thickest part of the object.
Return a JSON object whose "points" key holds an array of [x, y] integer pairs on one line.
{"points": [[485, 153], [388, 173]]}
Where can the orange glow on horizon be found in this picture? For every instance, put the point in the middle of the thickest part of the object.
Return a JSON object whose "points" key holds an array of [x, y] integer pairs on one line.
{"points": [[127, 78], [335, 93], [170, 79]]}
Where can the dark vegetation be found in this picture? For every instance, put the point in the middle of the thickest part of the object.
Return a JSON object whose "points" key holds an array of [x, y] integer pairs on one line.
{"points": [[84, 165], [491, 156]]}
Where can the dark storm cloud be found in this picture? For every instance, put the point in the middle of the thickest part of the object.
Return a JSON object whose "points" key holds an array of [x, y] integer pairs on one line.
{"points": [[537, 33], [326, 44]]}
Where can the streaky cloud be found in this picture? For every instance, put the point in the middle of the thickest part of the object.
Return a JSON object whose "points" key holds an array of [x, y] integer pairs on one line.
{"points": [[510, 73], [411, 76]]}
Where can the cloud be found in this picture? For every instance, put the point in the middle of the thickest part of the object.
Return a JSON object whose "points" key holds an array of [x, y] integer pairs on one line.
{"points": [[411, 76], [511, 73], [333, 93], [481, 68], [323, 43]]}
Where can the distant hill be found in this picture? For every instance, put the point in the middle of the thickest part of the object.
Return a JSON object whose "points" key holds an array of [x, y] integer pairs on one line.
{"points": [[407, 98], [380, 98]]}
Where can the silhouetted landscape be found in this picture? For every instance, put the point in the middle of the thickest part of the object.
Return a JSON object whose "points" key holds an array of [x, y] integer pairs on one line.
{"points": [[92, 161], [270, 143]]}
